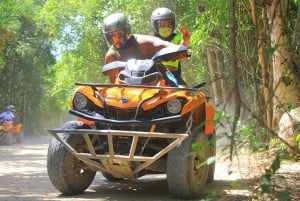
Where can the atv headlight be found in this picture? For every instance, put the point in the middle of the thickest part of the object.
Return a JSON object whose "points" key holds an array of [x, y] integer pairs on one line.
{"points": [[80, 101], [174, 106]]}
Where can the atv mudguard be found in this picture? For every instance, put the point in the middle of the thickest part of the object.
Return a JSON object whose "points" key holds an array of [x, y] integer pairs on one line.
{"points": [[205, 113]]}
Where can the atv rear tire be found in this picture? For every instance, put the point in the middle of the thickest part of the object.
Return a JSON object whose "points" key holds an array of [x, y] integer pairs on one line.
{"points": [[68, 174], [187, 171]]}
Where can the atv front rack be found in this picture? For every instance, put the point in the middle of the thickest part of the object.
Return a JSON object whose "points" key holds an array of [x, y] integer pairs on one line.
{"points": [[118, 165]]}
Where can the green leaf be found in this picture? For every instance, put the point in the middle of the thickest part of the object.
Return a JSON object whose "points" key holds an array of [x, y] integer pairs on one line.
{"points": [[265, 189], [235, 184], [298, 138], [246, 132], [266, 180], [276, 164], [283, 196]]}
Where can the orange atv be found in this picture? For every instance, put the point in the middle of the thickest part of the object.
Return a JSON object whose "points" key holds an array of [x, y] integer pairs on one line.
{"points": [[10, 133], [135, 127]]}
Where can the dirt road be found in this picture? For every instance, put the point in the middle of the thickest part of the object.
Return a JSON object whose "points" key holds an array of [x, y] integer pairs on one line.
{"points": [[23, 177]]}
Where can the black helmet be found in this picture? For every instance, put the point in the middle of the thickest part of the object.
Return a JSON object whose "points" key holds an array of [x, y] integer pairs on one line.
{"points": [[160, 14], [115, 22]]}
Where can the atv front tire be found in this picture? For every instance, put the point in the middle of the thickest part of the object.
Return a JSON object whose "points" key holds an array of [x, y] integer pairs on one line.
{"points": [[68, 174], [19, 137], [7, 138], [187, 171]]}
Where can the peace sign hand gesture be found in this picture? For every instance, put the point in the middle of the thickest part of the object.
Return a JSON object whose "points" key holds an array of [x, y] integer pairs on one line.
{"points": [[185, 35]]}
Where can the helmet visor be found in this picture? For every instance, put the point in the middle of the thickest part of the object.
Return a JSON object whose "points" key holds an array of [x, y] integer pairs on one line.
{"points": [[165, 23]]}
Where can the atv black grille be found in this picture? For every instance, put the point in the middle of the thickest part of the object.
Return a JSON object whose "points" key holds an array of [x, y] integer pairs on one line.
{"points": [[129, 113], [121, 114]]}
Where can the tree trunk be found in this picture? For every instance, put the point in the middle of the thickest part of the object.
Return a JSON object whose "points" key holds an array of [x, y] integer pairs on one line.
{"points": [[215, 76], [263, 61], [233, 63], [286, 82], [220, 74], [235, 71], [296, 35]]}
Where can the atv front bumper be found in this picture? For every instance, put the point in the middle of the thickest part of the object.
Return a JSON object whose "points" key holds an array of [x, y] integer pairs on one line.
{"points": [[118, 165]]}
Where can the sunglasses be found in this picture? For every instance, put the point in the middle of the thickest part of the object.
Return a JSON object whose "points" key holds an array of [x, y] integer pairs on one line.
{"points": [[116, 34], [165, 23]]}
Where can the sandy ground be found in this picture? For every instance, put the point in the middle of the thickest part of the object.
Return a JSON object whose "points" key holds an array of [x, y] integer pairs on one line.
{"points": [[23, 177]]}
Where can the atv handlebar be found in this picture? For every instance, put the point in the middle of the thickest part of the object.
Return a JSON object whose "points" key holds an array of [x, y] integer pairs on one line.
{"points": [[194, 88]]}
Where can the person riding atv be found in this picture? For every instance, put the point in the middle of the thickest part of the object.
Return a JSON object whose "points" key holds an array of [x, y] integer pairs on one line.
{"points": [[125, 45], [8, 115], [10, 131], [163, 26]]}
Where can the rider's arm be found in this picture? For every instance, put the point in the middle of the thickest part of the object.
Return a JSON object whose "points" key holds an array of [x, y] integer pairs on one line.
{"points": [[111, 55], [112, 74], [149, 45]]}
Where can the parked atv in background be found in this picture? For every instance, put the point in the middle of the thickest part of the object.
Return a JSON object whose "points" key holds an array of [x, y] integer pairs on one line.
{"points": [[10, 133], [138, 126]]}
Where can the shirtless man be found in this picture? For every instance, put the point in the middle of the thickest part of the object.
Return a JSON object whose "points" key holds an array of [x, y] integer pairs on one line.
{"points": [[125, 45]]}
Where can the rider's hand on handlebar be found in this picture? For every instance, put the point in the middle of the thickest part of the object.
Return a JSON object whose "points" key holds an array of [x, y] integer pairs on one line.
{"points": [[182, 56]]}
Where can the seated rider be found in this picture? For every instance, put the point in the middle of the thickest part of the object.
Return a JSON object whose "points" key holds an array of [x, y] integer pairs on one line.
{"points": [[163, 26], [8, 115], [125, 46]]}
